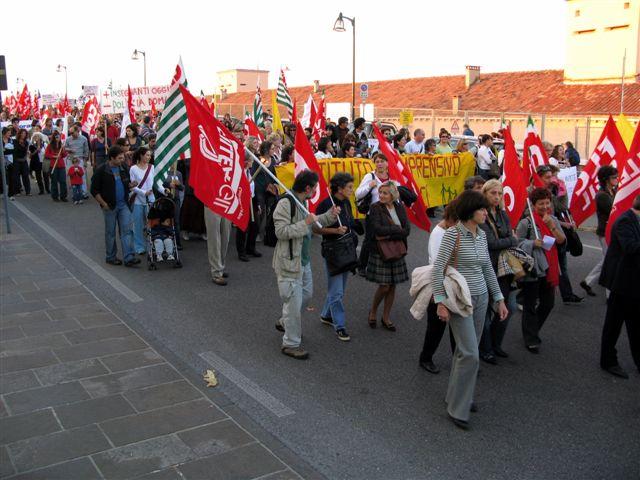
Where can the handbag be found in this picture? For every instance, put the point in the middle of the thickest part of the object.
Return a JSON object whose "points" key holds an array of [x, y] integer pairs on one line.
{"points": [[391, 250], [364, 204], [407, 196], [340, 254], [574, 244]]}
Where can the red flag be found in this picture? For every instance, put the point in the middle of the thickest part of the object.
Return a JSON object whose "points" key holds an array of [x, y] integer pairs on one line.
{"points": [[154, 110], [320, 122], [629, 187], [306, 160], [24, 103], [251, 129], [132, 111], [399, 172], [65, 107], [13, 105], [90, 116], [514, 180], [217, 165], [610, 150]]}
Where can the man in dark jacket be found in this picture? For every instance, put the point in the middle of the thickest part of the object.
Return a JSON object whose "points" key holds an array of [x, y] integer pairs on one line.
{"points": [[621, 275], [110, 186]]}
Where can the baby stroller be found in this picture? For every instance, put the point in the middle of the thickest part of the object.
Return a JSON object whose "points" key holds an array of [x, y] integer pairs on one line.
{"points": [[161, 234]]}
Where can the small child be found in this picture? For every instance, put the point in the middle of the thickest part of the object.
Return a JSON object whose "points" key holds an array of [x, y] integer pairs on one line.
{"points": [[161, 230], [76, 172]]}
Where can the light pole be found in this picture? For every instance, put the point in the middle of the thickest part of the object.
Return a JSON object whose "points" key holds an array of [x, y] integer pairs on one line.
{"points": [[144, 59], [59, 69], [338, 26]]}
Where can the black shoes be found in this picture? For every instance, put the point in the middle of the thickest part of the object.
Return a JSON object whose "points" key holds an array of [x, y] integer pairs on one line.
{"points": [[587, 289], [500, 353], [115, 261], [474, 407], [534, 349], [132, 262], [430, 367], [255, 254], [343, 335], [326, 320], [617, 370], [572, 300], [489, 358], [243, 258], [279, 327], [462, 424]]}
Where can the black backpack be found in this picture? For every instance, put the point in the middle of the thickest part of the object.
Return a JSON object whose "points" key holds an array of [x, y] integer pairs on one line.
{"points": [[270, 238]]}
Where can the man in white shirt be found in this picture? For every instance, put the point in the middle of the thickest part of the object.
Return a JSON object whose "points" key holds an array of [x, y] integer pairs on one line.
{"points": [[417, 144]]}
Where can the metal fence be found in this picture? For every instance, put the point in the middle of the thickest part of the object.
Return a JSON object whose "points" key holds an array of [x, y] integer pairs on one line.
{"points": [[582, 130]]}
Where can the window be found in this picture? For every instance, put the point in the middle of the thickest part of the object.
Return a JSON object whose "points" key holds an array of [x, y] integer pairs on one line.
{"points": [[577, 14], [617, 27], [626, 5], [582, 32]]}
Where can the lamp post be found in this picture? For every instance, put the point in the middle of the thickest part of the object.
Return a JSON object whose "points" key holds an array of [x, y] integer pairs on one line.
{"points": [[135, 56], [338, 26], [59, 69]]}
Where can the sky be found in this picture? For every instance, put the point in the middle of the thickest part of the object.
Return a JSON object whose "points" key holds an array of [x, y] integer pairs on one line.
{"points": [[403, 40]]}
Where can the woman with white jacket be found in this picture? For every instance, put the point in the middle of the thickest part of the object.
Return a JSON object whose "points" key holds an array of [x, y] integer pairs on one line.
{"points": [[142, 174]]}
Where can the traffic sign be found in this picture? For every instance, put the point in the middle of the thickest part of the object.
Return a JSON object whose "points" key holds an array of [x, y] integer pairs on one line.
{"points": [[364, 91], [406, 117], [455, 129]]}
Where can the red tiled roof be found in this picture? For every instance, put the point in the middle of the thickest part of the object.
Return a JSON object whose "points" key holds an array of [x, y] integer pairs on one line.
{"points": [[528, 92]]}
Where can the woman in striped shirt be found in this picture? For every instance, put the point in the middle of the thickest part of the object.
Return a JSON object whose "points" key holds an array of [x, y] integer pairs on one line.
{"points": [[465, 247]]}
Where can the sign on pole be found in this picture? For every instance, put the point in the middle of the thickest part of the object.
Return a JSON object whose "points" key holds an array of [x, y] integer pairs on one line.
{"points": [[364, 92], [406, 117], [455, 129]]}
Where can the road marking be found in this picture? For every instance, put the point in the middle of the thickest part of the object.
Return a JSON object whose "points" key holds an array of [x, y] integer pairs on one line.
{"points": [[261, 396], [592, 247], [125, 291]]}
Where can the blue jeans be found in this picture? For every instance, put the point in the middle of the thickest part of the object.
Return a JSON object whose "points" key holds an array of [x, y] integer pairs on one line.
{"points": [[58, 181], [139, 222], [121, 215], [77, 192], [333, 306]]}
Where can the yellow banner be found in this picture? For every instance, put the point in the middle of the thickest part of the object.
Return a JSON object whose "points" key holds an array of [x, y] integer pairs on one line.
{"points": [[440, 178]]}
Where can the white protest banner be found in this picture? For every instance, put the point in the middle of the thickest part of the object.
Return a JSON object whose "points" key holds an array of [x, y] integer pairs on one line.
{"points": [[570, 177], [115, 101]]}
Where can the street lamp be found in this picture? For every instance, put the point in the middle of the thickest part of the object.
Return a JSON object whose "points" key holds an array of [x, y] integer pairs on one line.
{"points": [[338, 26], [59, 69], [144, 58]]}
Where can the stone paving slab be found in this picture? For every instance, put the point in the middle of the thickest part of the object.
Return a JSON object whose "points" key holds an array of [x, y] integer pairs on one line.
{"points": [[82, 396]]}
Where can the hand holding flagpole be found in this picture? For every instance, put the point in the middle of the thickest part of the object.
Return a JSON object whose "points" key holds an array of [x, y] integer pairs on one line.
{"points": [[533, 221]]}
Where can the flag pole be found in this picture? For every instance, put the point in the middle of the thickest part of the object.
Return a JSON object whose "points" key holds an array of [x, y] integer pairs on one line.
{"points": [[533, 222], [334, 204], [289, 192], [624, 58]]}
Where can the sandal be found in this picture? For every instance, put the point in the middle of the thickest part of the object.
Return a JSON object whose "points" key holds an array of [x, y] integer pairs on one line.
{"points": [[388, 325], [372, 321]]}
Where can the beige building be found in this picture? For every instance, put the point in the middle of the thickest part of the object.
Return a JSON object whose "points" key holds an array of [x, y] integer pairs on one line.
{"points": [[240, 80], [598, 33]]}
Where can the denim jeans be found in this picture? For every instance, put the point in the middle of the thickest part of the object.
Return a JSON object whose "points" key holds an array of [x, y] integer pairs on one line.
{"points": [[139, 221], [121, 215], [333, 306], [77, 192], [58, 183]]}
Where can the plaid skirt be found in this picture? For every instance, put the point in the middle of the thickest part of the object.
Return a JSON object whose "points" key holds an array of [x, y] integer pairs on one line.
{"points": [[386, 273]]}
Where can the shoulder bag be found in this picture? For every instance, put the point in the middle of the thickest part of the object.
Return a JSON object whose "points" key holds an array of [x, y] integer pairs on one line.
{"points": [[132, 194], [391, 250]]}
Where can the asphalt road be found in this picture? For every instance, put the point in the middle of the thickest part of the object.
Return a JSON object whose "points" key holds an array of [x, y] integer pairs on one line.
{"points": [[364, 409]]}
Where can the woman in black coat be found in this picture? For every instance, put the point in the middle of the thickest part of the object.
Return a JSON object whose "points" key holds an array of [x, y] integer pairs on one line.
{"points": [[500, 237], [388, 219]]}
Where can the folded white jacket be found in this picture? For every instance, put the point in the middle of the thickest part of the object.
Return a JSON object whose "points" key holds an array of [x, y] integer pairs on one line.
{"points": [[458, 296]]}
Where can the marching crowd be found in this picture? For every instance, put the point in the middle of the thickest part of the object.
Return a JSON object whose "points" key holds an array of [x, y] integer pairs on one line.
{"points": [[480, 268]]}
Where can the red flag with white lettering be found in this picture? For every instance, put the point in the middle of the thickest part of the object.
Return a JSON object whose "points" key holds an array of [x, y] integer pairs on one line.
{"points": [[90, 116], [217, 165], [24, 103], [399, 172], [514, 180], [610, 150], [629, 186], [251, 129], [306, 160], [320, 122]]}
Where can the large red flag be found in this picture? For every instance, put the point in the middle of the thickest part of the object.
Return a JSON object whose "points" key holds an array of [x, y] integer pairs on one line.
{"points": [[629, 187], [610, 150], [514, 180], [24, 103], [306, 160], [251, 129], [399, 172], [217, 165], [90, 116]]}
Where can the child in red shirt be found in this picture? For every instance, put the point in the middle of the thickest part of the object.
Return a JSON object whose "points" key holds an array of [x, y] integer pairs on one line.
{"points": [[75, 176]]}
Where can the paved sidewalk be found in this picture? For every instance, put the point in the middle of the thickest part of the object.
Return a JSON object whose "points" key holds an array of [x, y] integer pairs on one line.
{"points": [[83, 397]]}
